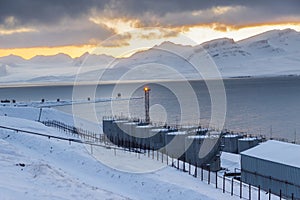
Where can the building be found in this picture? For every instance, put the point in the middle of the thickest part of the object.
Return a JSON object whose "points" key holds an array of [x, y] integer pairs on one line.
{"points": [[274, 166], [204, 150], [247, 143], [230, 143]]}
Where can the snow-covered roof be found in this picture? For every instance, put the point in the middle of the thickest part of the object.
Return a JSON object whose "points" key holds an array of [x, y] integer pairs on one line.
{"points": [[276, 151], [145, 126], [177, 133], [159, 130], [248, 139], [131, 123], [202, 136], [231, 136]]}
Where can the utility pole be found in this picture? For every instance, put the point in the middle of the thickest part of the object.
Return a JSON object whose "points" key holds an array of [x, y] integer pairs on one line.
{"points": [[147, 104]]}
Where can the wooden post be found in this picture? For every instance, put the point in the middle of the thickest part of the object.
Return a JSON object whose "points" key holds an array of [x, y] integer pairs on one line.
{"points": [[195, 173], [201, 173], [270, 194]]}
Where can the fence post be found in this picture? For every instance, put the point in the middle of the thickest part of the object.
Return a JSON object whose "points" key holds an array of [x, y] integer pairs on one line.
{"points": [[269, 194], [249, 191], [280, 194], [241, 188], [183, 164], [195, 173], [232, 187], [259, 192], [189, 167], [157, 156], [201, 173], [208, 181], [152, 153], [216, 179], [162, 157], [292, 196], [177, 163], [167, 159], [223, 184]]}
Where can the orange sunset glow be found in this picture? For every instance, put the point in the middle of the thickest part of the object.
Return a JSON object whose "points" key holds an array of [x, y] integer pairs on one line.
{"points": [[119, 32]]}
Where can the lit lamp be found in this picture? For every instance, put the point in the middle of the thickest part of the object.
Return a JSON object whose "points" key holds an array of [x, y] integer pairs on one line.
{"points": [[147, 104]]}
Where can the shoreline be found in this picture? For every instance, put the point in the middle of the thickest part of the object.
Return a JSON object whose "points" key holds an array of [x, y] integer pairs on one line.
{"points": [[114, 82]]}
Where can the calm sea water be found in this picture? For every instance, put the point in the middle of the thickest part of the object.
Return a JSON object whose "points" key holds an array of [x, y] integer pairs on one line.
{"points": [[268, 106]]}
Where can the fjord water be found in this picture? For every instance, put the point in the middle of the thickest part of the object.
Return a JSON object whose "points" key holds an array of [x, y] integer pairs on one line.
{"points": [[267, 106]]}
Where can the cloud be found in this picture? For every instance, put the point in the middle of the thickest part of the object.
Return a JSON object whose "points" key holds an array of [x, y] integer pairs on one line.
{"points": [[117, 40], [76, 32], [158, 34], [51, 12], [74, 22]]}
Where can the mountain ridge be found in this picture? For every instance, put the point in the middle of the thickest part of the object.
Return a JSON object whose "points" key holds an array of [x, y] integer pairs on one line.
{"points": [[272, 53]]}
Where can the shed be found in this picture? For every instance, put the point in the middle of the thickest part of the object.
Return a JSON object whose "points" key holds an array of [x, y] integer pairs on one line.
{"points": [[273, 165]]}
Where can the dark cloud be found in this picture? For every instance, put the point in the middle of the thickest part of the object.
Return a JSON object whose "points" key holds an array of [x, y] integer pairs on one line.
{"points": [[45, 11], [54, 19], [75, 33], [51, 11]]}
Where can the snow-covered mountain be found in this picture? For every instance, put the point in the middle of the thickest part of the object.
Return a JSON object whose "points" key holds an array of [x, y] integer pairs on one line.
{"points": [[92, 59], [60, 58], [272, 53]]}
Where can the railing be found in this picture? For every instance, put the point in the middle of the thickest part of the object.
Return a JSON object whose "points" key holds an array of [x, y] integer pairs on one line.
{"points": [[230, 185]]}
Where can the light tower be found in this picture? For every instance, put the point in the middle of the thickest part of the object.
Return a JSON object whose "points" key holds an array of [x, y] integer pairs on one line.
{"points": [[147, 106]]}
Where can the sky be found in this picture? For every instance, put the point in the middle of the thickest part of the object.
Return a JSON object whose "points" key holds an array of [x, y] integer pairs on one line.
{"points": [[122, 27]]}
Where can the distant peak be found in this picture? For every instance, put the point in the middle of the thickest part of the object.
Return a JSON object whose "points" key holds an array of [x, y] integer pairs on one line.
{"points": [[218, 42], [274, 33], [168, 45]]}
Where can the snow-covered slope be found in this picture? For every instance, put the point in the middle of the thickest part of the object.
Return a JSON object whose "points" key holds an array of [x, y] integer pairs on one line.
{"points": [[272, 53], [35, 167]]}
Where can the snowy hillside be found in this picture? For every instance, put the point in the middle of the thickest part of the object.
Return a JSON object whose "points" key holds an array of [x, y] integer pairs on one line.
{"points": [[273, 53], [35, 167]]}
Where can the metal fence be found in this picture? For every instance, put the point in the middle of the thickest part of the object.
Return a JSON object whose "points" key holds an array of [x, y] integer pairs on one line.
{"points": [[231, 185]]}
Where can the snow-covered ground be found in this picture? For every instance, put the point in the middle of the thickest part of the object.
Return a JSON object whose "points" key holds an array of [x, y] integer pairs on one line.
{"points": [[273, 53], [35, 167]]}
